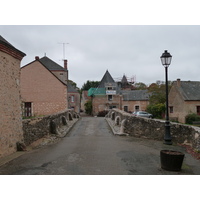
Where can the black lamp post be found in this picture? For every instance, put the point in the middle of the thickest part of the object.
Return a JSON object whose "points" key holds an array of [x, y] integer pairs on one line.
{"points": [[166, 61]]}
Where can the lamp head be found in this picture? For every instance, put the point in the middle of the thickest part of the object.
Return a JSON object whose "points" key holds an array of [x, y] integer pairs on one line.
{"points": [[166, 59]]}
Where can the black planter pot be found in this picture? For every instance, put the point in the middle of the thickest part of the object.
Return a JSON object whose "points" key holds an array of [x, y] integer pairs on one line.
{"points": [[171, 160]]}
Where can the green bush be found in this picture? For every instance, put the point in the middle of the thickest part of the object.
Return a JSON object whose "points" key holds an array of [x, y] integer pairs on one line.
{"points": [[157, 110], [88, 107], [190, 118]]}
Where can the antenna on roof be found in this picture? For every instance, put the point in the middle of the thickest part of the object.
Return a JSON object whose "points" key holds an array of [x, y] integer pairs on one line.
{"points": [[63, 43]]}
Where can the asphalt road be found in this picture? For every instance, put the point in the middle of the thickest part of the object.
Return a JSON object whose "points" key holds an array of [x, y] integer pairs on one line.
{"points": [[92, 149]]}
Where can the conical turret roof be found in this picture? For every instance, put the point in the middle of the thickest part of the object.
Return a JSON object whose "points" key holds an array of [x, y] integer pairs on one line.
{"points": [[107, 78]]}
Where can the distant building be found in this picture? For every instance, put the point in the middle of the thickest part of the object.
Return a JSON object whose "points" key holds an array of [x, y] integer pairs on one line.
{"points": [[10, 102], [184, 99], [135, 100], [110, 94], [84, 99], [74, 101]]}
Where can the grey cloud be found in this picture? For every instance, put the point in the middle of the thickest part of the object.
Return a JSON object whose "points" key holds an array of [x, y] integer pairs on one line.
{"points": [[130, 50]]}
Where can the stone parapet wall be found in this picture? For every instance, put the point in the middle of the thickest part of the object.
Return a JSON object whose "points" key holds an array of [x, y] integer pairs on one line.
{"points": [[58, 124], [124, 123]]}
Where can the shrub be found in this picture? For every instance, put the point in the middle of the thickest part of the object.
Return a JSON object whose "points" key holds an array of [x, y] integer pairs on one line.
{"points": [[88, 107], [156, 110], [102, 113], [190, 118]]}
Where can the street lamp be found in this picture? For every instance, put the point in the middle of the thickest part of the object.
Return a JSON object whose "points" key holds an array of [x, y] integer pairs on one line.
{"points": [[166, 61]]}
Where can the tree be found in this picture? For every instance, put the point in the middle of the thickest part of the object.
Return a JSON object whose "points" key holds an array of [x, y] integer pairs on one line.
{"points": [[158, 92], [72, 83], [88, 107], [157, 110], [140, 86], [90, 84], [157, 99]]}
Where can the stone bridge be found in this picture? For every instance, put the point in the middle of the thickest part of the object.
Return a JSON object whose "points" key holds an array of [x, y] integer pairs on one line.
{"points": [[123, 123], [57, 124]]}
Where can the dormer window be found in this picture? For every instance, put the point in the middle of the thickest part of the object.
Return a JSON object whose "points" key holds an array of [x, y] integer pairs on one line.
{"points": [[110, 88]]}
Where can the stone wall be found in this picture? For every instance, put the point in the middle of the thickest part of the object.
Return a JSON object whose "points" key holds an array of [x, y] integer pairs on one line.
{"points": [[124, 123], [58, 124], [10, 102]]}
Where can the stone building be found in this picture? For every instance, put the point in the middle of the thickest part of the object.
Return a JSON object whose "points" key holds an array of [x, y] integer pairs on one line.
{"points": [[44, 87], [111, 94], [184, 99], [10, 102]]}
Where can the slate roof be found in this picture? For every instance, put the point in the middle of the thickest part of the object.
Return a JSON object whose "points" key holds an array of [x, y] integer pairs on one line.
{"points": [[124, 79], [190, 90], [107, 78], [71, 88], [6, 43], [136, 95], [51, 65], [2, 40]]}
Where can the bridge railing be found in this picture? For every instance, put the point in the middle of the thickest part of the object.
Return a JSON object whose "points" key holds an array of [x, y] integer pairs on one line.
{"points": [[123, 123], [57, 124]]}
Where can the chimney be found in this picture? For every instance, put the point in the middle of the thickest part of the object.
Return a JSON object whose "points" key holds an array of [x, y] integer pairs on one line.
{"points": [[37, 58], [65, 67], [178, 82], [65, 64]]}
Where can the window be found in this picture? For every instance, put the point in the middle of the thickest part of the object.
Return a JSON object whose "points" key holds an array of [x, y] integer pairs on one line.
{"points": [[198, 110], [126, 108], [72, 98], [137, 108], [111, 88], [111, 107], [110, 97], [171, 109], [27, 109]]}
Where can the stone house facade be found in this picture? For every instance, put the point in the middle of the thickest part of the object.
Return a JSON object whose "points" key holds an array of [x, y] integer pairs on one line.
{"points": [[111, 94], [43, 87], [184, 99], [10, 102]]}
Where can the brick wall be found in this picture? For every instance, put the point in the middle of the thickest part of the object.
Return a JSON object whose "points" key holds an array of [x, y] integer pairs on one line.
{"points": [[10, 104], [101, 103], [131, 105], [74, 101], [39, 86]]}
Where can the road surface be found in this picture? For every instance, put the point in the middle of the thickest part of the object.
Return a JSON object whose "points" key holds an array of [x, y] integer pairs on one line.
{"points": [[92, 149]]}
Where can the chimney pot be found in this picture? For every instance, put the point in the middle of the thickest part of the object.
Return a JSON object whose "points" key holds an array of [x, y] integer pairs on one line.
{"points": [[178, 82], [37, 58]]}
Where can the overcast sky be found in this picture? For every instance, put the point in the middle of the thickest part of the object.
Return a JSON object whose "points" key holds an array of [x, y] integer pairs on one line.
{"points": [[133, 50]]}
